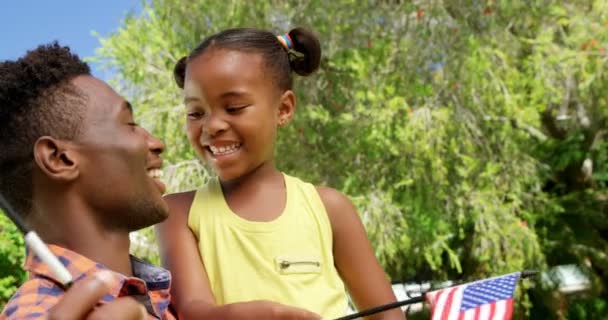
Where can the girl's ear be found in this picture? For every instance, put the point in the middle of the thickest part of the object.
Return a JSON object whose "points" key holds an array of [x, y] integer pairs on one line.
{"points": [[287, 108]]}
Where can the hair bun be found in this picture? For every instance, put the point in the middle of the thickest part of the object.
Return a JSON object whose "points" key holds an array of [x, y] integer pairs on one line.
{"points": [[307, 44], [179, 72]]}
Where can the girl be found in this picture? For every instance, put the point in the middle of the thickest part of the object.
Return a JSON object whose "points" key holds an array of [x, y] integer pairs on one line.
{"points": [[256, 243]]}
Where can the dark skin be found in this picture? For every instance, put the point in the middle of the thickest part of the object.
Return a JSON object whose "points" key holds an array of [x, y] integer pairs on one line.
{"points": [[233, 103], [84, 194]]}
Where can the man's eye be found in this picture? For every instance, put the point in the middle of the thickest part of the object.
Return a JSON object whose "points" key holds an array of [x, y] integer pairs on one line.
{"points": [[133, 124]]}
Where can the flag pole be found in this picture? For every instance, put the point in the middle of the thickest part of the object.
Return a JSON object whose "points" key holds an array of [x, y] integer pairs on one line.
{"points": [[381, 308], [397, 304]]}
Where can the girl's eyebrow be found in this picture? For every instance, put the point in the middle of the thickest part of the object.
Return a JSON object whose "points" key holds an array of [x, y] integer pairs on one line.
{"points": [[229, 94], [191, 99], [236, 94]]}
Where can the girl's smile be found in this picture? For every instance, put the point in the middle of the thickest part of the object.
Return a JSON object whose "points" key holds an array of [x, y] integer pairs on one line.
{"points": [[232, 113]]}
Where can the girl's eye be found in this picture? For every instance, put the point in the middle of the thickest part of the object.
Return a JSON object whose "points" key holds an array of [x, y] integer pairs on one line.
{"points": [[233, 109], [194, 115]]}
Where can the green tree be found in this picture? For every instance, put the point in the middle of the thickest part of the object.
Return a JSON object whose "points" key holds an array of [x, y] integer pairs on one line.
{"points": [[11, 259], [469, 133]]}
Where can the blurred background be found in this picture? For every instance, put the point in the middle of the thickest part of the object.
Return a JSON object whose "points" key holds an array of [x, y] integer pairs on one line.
{"points": [[471, 134]]}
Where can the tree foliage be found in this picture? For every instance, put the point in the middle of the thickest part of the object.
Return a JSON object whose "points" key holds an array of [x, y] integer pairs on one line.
{"points": [[470, 134], [11, 259]]}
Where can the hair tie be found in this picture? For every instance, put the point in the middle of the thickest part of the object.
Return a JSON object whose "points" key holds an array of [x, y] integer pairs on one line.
{"points": [[285, 40]]}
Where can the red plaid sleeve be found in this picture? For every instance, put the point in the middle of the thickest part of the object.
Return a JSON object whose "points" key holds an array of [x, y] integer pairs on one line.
{"points": [[33, 300]]}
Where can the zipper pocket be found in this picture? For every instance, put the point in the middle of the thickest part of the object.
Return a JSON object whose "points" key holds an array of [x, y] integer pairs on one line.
{"points": [[292, 265]]}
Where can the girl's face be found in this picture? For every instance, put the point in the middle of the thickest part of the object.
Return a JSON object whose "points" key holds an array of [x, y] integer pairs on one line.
{"points": [[233, 110]]}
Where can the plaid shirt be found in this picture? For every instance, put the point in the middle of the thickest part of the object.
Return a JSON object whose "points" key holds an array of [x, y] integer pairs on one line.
{"points": [[150, 286]]}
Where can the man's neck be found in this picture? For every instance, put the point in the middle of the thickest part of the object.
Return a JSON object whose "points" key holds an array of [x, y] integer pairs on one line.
{"points": [[111, 250], [86, 237]]}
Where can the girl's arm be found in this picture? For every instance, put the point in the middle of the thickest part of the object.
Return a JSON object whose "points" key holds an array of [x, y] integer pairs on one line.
{"points": [[354, 256], [191, 291]]}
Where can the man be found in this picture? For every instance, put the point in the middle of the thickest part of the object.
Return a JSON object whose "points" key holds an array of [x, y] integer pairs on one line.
{"points": [[83, 175]]}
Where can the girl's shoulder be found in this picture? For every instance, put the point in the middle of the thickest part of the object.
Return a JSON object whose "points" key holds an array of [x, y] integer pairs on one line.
{"points": [[341, 211], [333, 200], [180, 203]]}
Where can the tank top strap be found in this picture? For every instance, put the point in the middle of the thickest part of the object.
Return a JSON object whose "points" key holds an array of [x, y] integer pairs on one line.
{"points": [[306, 193], [205, 202]]}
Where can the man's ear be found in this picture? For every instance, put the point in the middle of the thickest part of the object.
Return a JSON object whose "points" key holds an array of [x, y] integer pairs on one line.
{"points": [[287, 107], [56, 159]]}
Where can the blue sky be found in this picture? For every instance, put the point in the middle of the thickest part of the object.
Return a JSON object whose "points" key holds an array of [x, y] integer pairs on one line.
{"points": [[25, 24]]}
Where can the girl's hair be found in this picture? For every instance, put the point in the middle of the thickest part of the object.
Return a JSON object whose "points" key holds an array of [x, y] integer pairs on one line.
{"points": [[303, 57]]}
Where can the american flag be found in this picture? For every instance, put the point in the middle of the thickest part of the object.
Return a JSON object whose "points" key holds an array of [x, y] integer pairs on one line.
{"points": [[489, 299]]}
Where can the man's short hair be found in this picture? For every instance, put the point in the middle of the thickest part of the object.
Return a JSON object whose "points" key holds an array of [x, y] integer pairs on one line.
{"points": [[36, 99]]}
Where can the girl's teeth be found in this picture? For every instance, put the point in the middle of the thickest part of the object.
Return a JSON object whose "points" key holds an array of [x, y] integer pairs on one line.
{"points": [[224, 150]]}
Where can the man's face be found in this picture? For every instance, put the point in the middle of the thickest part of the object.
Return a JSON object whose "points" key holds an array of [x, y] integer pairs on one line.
{"points": [[119, 162]]}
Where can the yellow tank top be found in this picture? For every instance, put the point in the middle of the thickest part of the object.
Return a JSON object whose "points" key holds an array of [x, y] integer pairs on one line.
{"points": [[288, 260]]}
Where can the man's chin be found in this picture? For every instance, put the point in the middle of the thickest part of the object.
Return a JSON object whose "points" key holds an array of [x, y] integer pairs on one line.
{"points": [[154, 218], [146, 215]]}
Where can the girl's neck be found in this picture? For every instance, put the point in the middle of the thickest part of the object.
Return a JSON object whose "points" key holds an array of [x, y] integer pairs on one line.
{"points": [[265, 173], [260, 195]]}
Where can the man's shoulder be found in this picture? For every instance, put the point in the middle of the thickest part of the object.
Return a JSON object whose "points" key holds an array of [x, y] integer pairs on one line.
{"points": [[33, 299]]}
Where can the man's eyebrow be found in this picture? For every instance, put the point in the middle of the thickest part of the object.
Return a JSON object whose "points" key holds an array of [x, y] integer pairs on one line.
{"points": [[127, 105]]}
